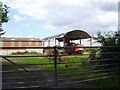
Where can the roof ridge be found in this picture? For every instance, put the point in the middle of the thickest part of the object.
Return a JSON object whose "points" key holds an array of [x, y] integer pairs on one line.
{"points": [[20, 39]]}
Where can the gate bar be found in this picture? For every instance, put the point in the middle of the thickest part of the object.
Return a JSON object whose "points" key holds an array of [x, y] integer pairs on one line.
{"points": [[55, 64]]}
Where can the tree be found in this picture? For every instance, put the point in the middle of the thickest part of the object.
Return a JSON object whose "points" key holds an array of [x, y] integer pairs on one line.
{"points": [[3, 16], [109, 39]]}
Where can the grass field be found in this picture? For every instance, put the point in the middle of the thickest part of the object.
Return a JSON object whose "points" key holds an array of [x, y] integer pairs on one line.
{"points": [[37, 60], [108, 83]]}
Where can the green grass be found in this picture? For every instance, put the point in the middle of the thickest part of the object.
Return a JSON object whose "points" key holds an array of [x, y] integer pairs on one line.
{"points": [[36, 60], [107, 83]]}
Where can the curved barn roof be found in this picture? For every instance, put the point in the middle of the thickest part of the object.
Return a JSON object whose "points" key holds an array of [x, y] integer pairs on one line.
{"points": [[75, 35], [71, 35]]}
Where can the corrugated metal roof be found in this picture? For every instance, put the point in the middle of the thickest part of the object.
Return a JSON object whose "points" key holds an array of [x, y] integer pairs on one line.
{"points": [[54, 36], [19, 39], [71, 35]]}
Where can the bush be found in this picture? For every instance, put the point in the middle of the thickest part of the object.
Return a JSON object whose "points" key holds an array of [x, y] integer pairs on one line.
{"points": [[109, 39], [50, 52], [24, 53]]}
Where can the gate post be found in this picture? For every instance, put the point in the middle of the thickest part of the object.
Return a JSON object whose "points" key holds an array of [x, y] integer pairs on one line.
{"points": [[55, 64]]}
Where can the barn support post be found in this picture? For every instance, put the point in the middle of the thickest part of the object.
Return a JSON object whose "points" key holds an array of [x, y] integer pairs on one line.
{"points": [[80, 41], [58, 43], [90, 45], [91, 42], [55, 41], [43, 43], [63, 42], [43, 46], [48, 42]]}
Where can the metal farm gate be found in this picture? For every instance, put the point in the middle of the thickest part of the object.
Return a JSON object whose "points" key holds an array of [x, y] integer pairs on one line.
{"points": [[54, 69]]}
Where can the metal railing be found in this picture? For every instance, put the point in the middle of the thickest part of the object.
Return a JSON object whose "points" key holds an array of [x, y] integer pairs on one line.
{"points": [[56, 69]]}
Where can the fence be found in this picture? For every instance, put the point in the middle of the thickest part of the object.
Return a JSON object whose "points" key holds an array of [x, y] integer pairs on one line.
{"points": [[58, 70]]}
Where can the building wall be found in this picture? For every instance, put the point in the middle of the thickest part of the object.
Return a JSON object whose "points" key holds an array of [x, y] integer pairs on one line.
{"points": [[7, 44], [19, 44]]}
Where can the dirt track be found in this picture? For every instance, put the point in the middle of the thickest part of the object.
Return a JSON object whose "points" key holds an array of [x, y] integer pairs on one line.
{"points": [[41, 76]]}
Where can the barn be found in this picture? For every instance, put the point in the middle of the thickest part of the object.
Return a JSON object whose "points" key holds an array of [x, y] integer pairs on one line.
{"points": [[19, 42], [68, 38]]}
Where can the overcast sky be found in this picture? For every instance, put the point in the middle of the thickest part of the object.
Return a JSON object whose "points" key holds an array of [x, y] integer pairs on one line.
{"points": [[43, 18]]}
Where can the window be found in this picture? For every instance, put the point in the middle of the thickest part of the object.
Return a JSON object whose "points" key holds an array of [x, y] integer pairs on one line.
{"points": [[37, 43], [19, 44], [30, 43], [1, 44], [12, 44]]}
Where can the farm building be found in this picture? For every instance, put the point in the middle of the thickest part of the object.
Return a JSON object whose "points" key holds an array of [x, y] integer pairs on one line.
{"points": [[67, 39], [19, 42]]}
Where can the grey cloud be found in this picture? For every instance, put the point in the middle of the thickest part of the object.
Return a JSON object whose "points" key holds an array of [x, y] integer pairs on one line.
{"points": [[62, 14], [82, 17], [107, 6]]}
